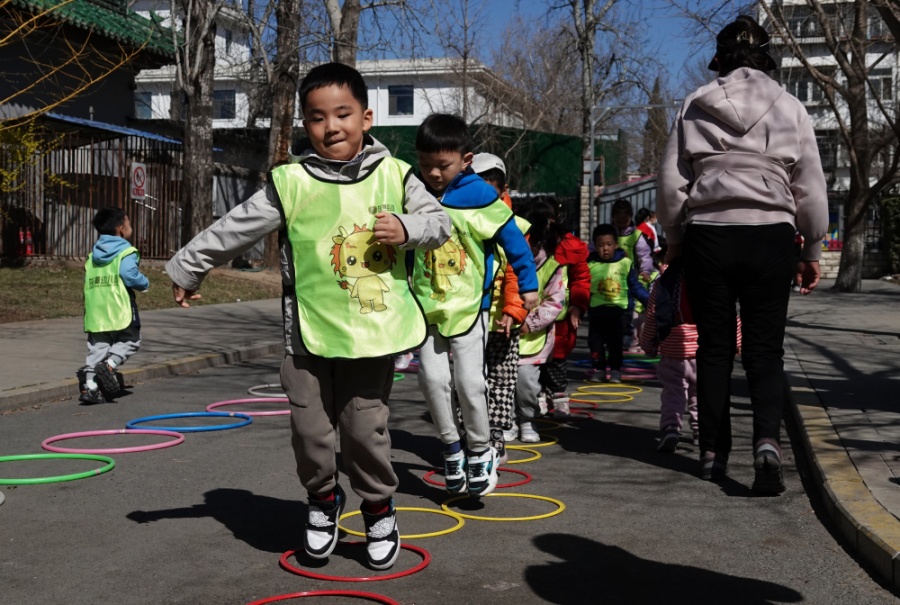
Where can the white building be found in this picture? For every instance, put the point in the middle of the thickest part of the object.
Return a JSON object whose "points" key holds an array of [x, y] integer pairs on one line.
{"points": [[883, 59]]}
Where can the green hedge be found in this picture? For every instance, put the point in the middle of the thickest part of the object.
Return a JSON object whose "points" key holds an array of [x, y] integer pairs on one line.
{"points": [[890, 217], [540, 162]]}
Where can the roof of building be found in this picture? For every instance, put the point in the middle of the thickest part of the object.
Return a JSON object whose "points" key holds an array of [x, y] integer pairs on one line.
{"points": [[111, 18], [111, 128]]}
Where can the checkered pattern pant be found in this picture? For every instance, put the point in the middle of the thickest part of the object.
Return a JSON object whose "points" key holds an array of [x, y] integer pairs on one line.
{"points": [[502, 359], [554, 376]]}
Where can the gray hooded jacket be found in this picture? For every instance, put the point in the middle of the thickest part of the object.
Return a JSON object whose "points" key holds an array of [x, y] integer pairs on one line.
{"points": [[426, 225], [743, 151]]}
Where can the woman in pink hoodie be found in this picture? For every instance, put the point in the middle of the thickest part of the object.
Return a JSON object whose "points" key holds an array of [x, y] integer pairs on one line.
{"points": [[740, 173]]}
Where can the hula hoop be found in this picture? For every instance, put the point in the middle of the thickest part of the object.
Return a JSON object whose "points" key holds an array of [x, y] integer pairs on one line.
{"points": [[554, 425], [255, 390], [587, 389], [427, 479], [551, 440], [353, 594], [583, 412], [110, 464], [535, 455], [641, 357], [621, 398], [459, 523], [112, 450], [591, 405], [398, 376], [2, 498], [560, 508], [195, 429], [213, 406], [583, 363], [426, 559]]}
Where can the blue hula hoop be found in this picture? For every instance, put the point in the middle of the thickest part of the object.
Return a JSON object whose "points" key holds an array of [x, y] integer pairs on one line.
{"points": [[195, 429]]}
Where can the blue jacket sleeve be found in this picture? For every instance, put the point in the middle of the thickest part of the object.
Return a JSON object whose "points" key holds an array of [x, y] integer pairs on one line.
{"points": [[131, 275], [518, 252], [636, 289]]}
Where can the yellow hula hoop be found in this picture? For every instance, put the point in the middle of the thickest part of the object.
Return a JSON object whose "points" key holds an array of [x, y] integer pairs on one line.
{"points": [[535, 455], [446, 512], [605, 389], [553, 424], [616, 398], [551, 440], [560, 508]]}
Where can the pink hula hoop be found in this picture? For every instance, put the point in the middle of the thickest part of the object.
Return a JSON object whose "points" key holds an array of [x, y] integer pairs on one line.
{"points": [[428, 478], [214, 406], [113, 450]]}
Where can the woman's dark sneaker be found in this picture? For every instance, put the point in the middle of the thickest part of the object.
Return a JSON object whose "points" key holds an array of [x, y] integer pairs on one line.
{"points": [[713, 466], [382, 538], [769, 477], [322, 524]]}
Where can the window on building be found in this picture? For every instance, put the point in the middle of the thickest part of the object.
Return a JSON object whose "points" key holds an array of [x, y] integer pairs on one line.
{"points": [[882, 84], [827, 140], [143, 105], [228, 40], [802, 23], [400, 100], [224, 105]]}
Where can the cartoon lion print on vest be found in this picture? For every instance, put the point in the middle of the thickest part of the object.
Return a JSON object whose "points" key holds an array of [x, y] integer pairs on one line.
{"points": [[440, 264], [359, 257]]}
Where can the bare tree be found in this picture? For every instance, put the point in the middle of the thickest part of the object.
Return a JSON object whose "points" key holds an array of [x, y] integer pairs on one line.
{"points": [[656, 131]]}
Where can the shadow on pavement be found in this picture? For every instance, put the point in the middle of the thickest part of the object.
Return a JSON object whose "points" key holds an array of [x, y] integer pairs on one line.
{"points": [[592, 572], [265, 523]]}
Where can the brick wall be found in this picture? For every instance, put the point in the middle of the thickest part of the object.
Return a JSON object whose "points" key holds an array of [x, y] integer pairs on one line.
{"points": [[873, 264]]}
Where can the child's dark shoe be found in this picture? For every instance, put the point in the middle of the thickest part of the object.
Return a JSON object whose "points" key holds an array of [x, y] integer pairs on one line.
{"points": [[382, 537], [322, 524], [106, 377], [91, 396]]}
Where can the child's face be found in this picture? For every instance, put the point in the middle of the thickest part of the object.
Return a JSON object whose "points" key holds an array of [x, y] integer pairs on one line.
{"points": [[124, 230], [336, 122], [439, 168], [621, 220], [606, 246]]}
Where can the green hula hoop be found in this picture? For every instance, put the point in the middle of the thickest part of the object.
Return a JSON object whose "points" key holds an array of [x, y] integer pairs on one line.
{"points": [[110, 464], [398, 376]]}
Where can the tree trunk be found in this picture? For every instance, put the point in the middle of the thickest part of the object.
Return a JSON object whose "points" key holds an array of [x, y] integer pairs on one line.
{"points": [[284, 94], [346, 38]]}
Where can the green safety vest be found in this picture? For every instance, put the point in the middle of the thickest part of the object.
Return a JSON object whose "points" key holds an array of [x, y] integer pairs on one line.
{"points": [[353, 296], [638, 305], [107, 302], [534, 342], [450, 282], [609, 283], [628, 243], [496, 313]]}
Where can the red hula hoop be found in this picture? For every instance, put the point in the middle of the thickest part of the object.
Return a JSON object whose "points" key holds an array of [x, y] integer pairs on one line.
{"points": [[112, 450], [328, 593], [214, 406], [426, 559], [427, 478]]}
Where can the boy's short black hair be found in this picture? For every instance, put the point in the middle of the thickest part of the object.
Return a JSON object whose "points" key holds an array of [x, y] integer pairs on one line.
{"points": [[622, 205], [107, 220], [494, 176], [335, 74], [443, 132], [604, 229]]}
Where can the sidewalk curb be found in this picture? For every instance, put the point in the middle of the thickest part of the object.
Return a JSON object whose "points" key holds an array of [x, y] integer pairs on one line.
{"points": [[871, 529], [41, 393]]}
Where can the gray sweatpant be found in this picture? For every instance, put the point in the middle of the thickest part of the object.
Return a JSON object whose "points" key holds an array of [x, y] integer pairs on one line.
{"points": [[346, 399], [116, 345], [528, 389], [469, 376]]}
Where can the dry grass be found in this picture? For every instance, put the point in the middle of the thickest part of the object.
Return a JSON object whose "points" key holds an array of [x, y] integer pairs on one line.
{"points": [[49, 292]]}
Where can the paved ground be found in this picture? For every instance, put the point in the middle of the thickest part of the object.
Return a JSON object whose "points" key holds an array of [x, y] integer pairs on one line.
{"points": [[206, 521]]}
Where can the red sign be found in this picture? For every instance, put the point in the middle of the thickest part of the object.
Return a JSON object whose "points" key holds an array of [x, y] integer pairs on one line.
{"points": [[138, 181]]}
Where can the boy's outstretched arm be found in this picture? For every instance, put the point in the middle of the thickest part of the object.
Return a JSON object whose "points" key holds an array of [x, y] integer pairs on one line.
{"points": [[518, 252], [231, 235], [636, 288], [426, 224]]}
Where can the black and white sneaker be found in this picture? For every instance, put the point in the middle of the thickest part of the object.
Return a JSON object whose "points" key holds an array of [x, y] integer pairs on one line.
{"points": [[482, 472], [382, 538], [106, 377], [91, 396], [455, 471], [322, 524]]}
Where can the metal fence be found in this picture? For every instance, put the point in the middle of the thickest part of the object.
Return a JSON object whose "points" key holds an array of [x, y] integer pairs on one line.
{"points": [[47, 206]]}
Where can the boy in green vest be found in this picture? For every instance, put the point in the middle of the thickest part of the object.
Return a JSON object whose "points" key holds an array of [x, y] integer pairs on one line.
{"points": [[636, 247], [111, 277], [454, 285], [346, 212], [614, 286]]}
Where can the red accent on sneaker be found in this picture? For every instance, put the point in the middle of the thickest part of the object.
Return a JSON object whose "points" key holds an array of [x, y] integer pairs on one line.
{"points": [[376, 508], [324, 497]]}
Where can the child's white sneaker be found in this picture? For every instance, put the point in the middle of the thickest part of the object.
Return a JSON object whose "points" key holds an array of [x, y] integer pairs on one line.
{"points": [[527, 434], [561, 406], [615, 377]]}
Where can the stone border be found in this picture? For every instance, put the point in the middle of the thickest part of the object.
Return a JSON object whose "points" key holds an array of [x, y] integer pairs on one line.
{"points": [[40, 393], [872, 531]]}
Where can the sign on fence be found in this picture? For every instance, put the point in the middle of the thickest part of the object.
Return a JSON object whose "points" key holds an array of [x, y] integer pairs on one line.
{"points": [[138, 181]]}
